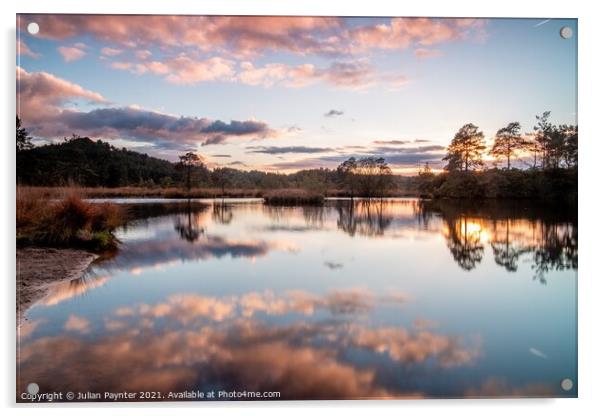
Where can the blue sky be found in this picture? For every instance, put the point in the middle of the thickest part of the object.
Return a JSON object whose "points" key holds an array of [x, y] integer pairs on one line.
{"points": [[258, 89]]}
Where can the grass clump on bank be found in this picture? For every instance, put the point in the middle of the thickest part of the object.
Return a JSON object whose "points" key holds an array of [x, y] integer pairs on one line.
{"points": [[66, 222], [293, 197]]}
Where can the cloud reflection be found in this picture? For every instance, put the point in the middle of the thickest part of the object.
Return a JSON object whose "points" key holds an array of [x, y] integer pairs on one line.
{"points": [[191, 341]]}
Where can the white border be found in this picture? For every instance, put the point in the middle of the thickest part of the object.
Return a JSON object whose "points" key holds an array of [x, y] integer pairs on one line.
{"points": [[589, 176]]}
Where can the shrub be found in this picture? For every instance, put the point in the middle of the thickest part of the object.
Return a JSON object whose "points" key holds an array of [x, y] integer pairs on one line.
{"points": [[69, 222]]}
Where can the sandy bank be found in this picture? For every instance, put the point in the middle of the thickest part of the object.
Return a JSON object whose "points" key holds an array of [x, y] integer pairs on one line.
{"points": [[39, 269]]}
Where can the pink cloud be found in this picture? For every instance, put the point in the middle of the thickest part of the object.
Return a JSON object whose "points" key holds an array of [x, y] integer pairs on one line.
{"points": [[403, 32], [143, 54], [71, 53], [48, 105], [183, 69], [199, 49], [111, 51], [23, 49], [244, 36], [355, 75], [41, 95], [77, 324], [427, 53]]}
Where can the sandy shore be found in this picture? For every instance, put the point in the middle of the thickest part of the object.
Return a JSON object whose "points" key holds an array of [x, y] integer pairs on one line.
{"points": [[39, 269]]}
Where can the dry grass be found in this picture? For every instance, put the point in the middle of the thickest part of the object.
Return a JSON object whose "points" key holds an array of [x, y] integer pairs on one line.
{"points": [[173, 192], [65, 220], [143, 192]]}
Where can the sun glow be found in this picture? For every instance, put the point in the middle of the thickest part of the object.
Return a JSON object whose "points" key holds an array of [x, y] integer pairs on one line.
{"points": [[474, 230]]}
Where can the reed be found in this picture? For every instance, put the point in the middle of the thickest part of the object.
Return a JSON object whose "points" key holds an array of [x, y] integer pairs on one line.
{"points": [[65, 221]]}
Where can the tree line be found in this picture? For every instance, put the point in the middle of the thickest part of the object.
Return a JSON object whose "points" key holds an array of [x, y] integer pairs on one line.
{"points": [[550, 154], [81, 161], [550, 146]]}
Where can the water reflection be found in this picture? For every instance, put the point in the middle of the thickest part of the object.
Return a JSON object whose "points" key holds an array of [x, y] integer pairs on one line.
{"points": [[193, 341], [188, 229], [544, 236], [365, 217], [515, 232], [77, 287], [349, 300]]}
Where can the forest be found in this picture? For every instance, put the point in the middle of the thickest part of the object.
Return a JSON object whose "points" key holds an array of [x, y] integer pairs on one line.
{"points": [[547, 161]]}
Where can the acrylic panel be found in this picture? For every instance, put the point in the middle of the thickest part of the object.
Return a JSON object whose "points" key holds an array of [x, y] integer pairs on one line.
{"points": [[295, 208]]}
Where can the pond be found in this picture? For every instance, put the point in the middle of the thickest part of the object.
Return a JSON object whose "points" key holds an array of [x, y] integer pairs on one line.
{"points": [[353, 299]]}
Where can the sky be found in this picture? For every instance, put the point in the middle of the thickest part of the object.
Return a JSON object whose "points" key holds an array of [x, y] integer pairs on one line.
{"points": [[287, 93]]}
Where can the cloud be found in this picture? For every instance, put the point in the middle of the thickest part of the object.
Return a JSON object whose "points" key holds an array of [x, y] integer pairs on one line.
{"points": [[143, 54], [192, 341], [403, 32], [23, 49], [187, 71], [332, 265], [500, 387], [423, 324], [405, 150], [71, 53], [220, 48], [46, 103], [77, 324], [182, 69], [106, 51], [40, 95], [402, 345], [218, 132], [152, 253], [391, 142], [237, 163], [333, 113], [348, 75], [236, 34], [63, 291], [427, 53], [395, 156], [163, 130], [252, 35], [276, 150]]}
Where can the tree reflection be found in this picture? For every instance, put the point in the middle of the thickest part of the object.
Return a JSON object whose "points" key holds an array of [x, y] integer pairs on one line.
{"points": [[545, 237], [222, 213], [364, 217], [188, 229], [464, 242], [559, 252], [506, 252]]}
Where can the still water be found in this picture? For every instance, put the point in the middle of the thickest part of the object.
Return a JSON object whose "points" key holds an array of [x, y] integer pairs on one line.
{"points": [[392, 298]]}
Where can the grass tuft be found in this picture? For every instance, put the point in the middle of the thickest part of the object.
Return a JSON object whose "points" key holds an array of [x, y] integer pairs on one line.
{"points": [[66, 222]]}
